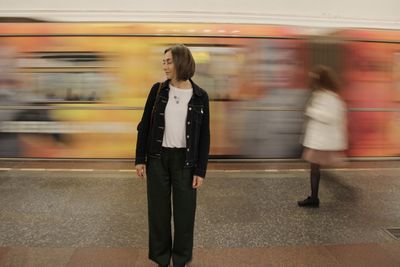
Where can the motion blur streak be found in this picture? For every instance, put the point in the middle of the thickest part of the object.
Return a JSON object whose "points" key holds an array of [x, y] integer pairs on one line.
{"points": [[77, 90]]}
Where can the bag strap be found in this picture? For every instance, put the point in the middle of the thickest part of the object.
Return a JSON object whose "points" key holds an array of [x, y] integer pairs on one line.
{"points": [[155, 101], [154, 105]]}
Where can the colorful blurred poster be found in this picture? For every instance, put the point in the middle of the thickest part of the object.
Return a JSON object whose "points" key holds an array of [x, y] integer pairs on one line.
{"points": [[370, 92]]}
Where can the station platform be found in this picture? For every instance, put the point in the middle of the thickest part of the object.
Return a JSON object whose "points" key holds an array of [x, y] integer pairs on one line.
{"points": [[93, 213]]}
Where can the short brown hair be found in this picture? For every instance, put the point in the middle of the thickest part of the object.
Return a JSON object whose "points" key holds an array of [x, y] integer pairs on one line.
{"points": [[324, 77], [183, 61]]}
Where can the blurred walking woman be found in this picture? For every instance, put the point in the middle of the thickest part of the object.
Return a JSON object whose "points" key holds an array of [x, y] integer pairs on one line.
{"points": [[172, 149], [326, 128]]}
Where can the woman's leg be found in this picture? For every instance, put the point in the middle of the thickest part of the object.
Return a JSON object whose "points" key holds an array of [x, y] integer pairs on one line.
{"points": [[312, 201], [315, 176], [159, 210], [184, 208]]}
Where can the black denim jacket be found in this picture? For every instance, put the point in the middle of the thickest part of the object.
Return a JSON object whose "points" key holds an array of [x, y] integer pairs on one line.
{"points": [[151, 128]]}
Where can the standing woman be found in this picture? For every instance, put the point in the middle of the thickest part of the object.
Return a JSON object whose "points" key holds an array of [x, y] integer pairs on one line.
{"points": [[172, 149], [326, 128]]}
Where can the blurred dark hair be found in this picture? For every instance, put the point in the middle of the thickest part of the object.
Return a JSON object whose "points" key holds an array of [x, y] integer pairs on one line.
{"points": [[324, 77], [183, 61]]}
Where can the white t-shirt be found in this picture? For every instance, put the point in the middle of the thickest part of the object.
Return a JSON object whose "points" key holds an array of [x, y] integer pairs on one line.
{"points": [[175, 117]]}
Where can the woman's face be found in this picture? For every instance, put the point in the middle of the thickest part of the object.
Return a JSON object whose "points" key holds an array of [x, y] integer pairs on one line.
{"points": [[168, 66]]}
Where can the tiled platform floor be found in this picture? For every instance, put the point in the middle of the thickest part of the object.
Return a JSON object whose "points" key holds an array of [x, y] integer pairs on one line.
{"points": [[355, 255], [95, 215]]}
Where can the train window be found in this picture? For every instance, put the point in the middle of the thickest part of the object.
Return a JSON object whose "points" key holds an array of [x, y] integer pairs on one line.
{"points": [[396, 75], [217, 69], [275, 63], [66, 76]]}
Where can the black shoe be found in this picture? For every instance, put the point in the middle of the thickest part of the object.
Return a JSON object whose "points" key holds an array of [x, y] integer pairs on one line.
{"points": [[309, 202], [167, 265]]}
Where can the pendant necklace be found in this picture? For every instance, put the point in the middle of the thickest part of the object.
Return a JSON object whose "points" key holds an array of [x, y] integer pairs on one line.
{"points": [[177, 99]]}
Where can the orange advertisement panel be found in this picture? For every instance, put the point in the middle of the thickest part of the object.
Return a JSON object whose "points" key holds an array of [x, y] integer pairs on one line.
{"points": [[370, 75]]}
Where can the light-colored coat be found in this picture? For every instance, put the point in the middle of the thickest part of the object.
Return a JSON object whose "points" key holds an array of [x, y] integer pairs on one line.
{"points": [[326, 127]]}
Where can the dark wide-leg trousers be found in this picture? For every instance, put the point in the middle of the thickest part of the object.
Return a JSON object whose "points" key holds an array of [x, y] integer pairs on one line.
{"points": [[165, 176]]}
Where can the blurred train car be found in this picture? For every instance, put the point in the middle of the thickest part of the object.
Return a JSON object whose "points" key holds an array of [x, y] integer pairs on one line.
{"points": [[89, 83], [367, 61], [77, 90], [371, 79]]}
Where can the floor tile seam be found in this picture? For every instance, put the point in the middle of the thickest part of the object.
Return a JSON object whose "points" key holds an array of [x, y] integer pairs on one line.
{"points": [[209, 171], [12, 247]]}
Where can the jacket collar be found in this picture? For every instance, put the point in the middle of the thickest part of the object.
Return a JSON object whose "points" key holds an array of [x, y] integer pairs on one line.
{"points": [[196, 89]]}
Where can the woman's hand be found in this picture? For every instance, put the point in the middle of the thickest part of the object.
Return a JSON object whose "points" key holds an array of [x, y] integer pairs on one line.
{"points": [[141, 170], [197, 181]]}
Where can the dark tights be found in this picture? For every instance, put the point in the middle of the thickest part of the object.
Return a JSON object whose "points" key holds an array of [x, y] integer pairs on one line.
{"points": [[315, 175]]}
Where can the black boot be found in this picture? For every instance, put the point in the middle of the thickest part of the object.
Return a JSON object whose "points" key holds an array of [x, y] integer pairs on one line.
{"points": [[309, 202]]}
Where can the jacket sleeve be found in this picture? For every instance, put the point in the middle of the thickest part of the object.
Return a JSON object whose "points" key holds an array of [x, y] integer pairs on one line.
{"points": [[323, 108], [204, 142], [143, 127]]}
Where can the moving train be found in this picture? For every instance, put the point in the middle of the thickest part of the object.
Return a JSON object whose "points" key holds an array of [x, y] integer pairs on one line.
{"points": [[77, 90]]}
